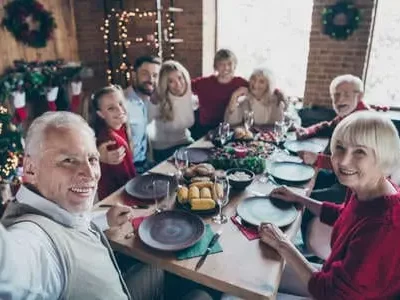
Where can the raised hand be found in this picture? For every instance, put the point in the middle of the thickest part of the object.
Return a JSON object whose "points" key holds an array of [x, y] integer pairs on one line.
{"points": [[111, 157]]}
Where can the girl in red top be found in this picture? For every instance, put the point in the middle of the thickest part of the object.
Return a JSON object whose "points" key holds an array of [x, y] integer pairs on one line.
{"points": [[215, 91], [364, 262], [110, 126]]}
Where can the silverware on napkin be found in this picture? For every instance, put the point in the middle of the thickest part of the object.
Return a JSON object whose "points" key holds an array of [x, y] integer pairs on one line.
{"points": [[134, 206], [208, 250]]}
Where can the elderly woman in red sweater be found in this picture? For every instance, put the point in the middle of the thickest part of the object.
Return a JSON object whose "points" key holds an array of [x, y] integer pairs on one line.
{"points": [[365, 260], [109, 123]]}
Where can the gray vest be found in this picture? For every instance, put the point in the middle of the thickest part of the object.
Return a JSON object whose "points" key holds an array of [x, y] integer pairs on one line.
{"points": [[87, 260]]}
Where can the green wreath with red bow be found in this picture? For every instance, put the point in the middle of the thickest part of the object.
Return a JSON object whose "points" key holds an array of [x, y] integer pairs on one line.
{"points": [[29, 22], [340, 20]]}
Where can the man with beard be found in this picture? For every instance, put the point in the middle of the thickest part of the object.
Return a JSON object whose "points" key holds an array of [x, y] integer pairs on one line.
{"points": [[144, 80]]}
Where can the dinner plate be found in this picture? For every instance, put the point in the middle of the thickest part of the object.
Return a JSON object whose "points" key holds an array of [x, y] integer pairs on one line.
{"points": [[291, 171], [142, 186], [196, 155], [255, 210], [295, 146], [171, 230]]}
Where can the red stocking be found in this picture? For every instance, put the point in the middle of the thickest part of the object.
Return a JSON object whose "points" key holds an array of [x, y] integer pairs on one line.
{"points": [[51, 98], [19, 100], [76, 96]]}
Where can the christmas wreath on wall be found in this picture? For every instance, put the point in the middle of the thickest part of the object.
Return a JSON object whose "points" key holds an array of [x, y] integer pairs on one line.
{"points": [[340, 20], [29, 22]]}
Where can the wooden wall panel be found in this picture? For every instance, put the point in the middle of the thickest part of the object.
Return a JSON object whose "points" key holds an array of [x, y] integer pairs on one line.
{"points": [[63, 45]]}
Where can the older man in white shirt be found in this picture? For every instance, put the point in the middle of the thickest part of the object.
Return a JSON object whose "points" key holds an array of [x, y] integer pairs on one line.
{"points": [[51, 249]]}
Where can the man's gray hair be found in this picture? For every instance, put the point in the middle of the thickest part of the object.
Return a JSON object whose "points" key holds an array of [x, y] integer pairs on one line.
{"points": [[60, 119]]}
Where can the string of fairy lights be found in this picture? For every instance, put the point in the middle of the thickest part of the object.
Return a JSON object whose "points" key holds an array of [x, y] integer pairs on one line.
{"points": [[120, 41]]}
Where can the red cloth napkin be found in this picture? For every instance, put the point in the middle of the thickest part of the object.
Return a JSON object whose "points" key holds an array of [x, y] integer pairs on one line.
{"points": [[250, 232], [129, 200], [137, 221]]}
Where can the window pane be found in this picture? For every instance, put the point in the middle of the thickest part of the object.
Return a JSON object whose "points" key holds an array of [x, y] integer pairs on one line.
{"points": [[383, 76], [269, 33]]}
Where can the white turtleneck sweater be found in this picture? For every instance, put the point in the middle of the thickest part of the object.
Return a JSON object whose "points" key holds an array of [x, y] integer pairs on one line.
{"points": [[266, 110], [166, 134]]}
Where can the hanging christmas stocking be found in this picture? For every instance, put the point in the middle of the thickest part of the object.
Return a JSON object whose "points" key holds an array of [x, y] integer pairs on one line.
{"points": [[76, 95], [51, 98], [19, 100]]}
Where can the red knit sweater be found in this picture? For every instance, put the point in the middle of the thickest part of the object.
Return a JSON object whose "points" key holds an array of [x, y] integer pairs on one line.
{"points": [[115, 176], [365, 258], [214, 97]]}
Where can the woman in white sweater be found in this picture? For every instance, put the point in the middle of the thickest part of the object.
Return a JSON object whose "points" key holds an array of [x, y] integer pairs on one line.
{"points": [[262, 97], [173, 112]]}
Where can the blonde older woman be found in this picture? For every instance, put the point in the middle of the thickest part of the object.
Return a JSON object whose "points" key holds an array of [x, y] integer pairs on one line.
{"points": [[173, 113], [262, 97], [364, 260]]}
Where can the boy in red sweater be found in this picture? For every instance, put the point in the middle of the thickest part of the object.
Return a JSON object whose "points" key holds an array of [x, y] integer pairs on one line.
{"points": [[364, 262], [214, 92]]}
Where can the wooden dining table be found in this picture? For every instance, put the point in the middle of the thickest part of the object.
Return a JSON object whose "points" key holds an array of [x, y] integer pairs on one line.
{"points": [[247, 269]]}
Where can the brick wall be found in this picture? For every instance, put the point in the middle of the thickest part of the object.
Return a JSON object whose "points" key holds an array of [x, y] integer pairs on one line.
{"points": [[90, 15], [329, 58]]}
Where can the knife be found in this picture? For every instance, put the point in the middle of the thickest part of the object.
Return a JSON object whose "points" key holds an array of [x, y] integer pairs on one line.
{"points": [[208, 250]]}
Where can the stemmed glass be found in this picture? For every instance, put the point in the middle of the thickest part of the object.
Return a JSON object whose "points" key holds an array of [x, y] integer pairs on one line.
{"points": [[223, 132], [248, 119], [280, 131], [160, 187], [221, 190], [181, 160]]}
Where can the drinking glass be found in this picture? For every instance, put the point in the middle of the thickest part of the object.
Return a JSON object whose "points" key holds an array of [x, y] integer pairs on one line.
{"points": [[181, 160], [161, 187], [222, 195], [223, 132], [280, 131], [248, 119]]}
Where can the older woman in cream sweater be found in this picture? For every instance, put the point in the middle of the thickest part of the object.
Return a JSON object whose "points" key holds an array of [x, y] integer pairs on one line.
{"points": [[173, 113], [262, 97]]}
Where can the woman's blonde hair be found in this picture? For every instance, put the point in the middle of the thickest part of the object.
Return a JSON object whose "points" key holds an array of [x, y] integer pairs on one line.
{"points": [[370, 129], [166, 108], [268, 75]]}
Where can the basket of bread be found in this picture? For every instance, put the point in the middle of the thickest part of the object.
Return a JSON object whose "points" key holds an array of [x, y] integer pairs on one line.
{"points": [[243, 134], [200, 196]]}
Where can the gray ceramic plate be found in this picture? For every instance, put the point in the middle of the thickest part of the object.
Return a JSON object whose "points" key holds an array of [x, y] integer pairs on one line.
{"points": [[171, 230], [142, 186], [306, 145], [255, 210], [196, 155], [291, 171]]}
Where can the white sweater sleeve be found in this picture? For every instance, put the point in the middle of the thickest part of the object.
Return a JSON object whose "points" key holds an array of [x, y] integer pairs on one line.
{"points": [[29, 264]]}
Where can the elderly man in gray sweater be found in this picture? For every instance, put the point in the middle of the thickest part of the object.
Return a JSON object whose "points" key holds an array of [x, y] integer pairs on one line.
{"points": [[51, 248]]}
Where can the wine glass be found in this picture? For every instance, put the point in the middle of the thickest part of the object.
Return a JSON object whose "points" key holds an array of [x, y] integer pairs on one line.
{"points": [[248, 119], [181, 160], [223, 132], [280, 131], [221, 190], [159, 187]]}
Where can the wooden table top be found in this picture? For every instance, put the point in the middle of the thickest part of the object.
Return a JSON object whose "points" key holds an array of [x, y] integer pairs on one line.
{"points": [[247, 269]]}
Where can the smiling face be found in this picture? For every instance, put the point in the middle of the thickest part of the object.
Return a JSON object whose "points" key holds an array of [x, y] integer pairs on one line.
{"points": [[67, 171], [356, 166], [225, 69], [112, 109], [176, 83], [146, 77], [258, 85], [345, 99]]}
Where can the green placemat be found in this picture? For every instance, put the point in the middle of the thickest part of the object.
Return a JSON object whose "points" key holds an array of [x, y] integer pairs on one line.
{"points": [[200, 247]]}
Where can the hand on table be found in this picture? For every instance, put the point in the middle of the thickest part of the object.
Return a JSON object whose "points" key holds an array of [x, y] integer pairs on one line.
{"points": [[118, 215], [286, 194], [308, 157], [300, 133], [271, 235]]}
